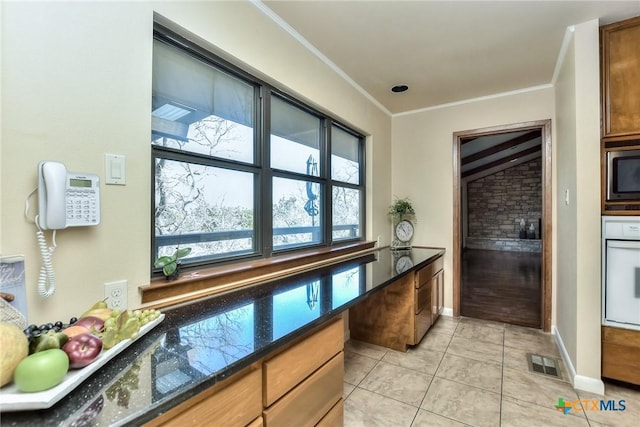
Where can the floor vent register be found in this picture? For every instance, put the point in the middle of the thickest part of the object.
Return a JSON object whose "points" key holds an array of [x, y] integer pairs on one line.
{"points": [[543, 365]]}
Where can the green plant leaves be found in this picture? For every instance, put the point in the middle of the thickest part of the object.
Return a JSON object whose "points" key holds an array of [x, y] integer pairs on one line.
{"points": [[168, 269], [169, 264], [401, 207], [163, 260], [182, 252]]}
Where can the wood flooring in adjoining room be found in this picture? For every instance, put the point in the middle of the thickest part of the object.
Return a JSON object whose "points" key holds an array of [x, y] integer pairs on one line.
{"points": [[501, 286]]}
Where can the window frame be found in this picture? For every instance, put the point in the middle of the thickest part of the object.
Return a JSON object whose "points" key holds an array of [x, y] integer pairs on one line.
{"points": [[264, 92]]}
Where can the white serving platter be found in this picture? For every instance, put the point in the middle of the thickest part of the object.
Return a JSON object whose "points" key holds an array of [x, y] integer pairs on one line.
{"points": [[11, 399]]}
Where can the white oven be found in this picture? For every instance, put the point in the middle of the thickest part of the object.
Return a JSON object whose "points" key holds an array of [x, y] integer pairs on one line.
{"points": [[621, 271]]}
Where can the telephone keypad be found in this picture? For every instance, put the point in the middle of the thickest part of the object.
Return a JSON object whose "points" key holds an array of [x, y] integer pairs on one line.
{"points": [[81, 206]]}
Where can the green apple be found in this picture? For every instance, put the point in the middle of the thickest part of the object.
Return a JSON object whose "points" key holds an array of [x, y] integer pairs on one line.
{"points": [[41, 371]]}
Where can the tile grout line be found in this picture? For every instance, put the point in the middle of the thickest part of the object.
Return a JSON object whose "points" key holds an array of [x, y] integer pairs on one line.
{"points": [[437, 367]]}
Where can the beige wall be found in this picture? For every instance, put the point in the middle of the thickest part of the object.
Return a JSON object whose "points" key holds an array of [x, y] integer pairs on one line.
{"points": [[588, 231], [1, 32], [76, 84], [422, 159], [578, 157], [565, 144]]}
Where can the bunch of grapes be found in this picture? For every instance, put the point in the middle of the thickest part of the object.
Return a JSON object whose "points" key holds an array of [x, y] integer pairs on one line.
{"points": [[33, 331], [122, 325], [147, 315]]}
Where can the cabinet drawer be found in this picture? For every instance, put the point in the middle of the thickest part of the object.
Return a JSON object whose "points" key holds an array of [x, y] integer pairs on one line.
{"points": [[237, 404], [423, 298], [289, 368], [335, 417], [620, 349], [426, 273], [308, 403]]}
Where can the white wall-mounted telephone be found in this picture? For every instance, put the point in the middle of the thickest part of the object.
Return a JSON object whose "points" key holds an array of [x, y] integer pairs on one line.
{"points": [[67, 199]]}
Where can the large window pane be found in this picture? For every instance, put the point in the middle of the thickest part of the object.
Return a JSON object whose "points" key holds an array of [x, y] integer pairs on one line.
{"points": [[346, 213], [345, 156], [200, 109], [206, 208], [295, 139], [296, 213], [211, 154]]}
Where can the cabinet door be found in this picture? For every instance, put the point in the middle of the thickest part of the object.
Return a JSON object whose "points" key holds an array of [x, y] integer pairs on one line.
{"points": [[621, 78], [440, 278], [423, 322]]}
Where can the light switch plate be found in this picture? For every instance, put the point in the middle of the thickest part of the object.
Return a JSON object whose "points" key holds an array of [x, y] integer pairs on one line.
{"points": [[114, 166]]}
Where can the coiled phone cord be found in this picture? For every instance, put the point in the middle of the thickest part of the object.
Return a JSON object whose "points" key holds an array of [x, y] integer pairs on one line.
{"points": [[47, 278]]}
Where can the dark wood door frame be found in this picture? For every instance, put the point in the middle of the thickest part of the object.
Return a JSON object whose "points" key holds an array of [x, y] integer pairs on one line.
{"points": [[545, 127]]}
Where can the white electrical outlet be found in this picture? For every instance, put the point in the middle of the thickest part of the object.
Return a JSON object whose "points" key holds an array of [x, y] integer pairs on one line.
{"points": [[116, 294]]}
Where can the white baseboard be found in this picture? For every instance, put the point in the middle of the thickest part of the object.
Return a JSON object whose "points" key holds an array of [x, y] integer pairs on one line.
{"points": [[580, 382], [592, 385], [447, 311], [563, 352]]}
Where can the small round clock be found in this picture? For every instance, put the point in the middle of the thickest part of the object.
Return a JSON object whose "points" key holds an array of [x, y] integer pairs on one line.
{"points": [[404, 231], [403, 263]]}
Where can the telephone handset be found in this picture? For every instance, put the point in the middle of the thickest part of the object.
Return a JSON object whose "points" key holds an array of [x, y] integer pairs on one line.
{"points": [[66, 199]]}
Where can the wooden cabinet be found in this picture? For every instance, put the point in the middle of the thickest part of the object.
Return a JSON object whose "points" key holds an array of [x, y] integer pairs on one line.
{"points": [[335, 416], [437, 295], [282, 372], [256, 423], [312, 399], [236, 401], [303, 384], [620, 78], [620, 348], [620, 97], [299, 385], [400, 314]]}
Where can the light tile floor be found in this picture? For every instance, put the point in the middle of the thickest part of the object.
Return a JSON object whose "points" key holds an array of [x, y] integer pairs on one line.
{"points": [[469, 372]]}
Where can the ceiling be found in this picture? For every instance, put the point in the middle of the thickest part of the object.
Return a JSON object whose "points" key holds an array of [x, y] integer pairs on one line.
{"points": [[489, 154], [445, 51]]}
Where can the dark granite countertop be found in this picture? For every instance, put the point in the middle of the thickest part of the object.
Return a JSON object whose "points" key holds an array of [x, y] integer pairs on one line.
{"points": [[208, 340]]}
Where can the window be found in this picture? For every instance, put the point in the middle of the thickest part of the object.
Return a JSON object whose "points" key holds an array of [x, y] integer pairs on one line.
{"points": [[347, 191], [241, 169]]}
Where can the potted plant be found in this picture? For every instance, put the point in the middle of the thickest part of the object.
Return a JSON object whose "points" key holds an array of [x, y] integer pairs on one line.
{"points": [[401, 211], [401, 208], [171, 263]]}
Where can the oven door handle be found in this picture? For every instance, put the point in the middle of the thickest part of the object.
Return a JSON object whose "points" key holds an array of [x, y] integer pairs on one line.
{"points": [[623, 244]]}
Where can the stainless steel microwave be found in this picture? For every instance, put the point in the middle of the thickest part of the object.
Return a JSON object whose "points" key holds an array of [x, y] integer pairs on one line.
{"points": [[623, 175]]}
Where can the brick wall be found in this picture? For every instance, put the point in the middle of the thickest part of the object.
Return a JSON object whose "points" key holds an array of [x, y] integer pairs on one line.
{"points": [[496, 203]]}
